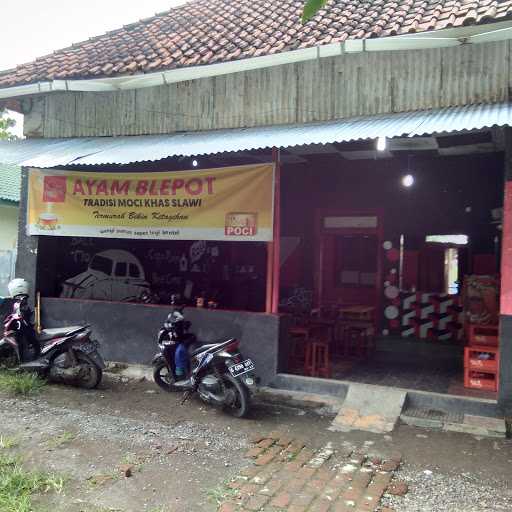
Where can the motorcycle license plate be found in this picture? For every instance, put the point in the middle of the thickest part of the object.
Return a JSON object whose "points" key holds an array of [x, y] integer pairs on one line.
{"points": [[240, 368]]}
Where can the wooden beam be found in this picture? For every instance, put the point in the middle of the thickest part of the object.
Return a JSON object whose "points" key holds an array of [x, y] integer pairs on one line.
{"points": [[270, 280], [277, 230]]}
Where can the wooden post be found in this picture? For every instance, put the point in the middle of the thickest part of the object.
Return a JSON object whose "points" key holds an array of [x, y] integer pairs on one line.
{"points": [[277, 230], [270, 268], [273, 248]]}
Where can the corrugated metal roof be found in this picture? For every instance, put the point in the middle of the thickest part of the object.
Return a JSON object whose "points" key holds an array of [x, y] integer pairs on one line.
{"points": [[46, 153], [10, 182]]}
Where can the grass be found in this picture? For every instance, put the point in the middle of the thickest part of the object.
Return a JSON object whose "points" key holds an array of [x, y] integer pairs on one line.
{"points": [[18, 486], [23, 384], [221, 493], [7, 442], [101, 479], [130, 458], [61, 439]]}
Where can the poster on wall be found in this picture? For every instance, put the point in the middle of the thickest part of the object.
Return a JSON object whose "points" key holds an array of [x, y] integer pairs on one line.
{"points": [[230, 203], [481, 300]]}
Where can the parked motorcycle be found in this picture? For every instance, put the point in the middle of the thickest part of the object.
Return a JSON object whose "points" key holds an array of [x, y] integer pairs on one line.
{"points": [[65, 354], [217, 371]]}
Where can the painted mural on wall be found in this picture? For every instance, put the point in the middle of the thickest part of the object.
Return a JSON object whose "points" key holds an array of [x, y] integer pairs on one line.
{"points": [[111, 275], [153, 271]]}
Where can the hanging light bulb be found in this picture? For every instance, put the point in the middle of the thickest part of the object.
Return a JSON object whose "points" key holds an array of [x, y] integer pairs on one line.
{"points": [[381, 144], [408, 180]]}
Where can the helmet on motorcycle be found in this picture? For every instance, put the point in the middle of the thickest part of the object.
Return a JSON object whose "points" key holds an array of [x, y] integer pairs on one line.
{"points": [[18, 287], [174, 318], [175, 321]]}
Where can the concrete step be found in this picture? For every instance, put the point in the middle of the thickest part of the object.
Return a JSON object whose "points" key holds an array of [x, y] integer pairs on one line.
{"points": [[378, 408], [370, 408]]}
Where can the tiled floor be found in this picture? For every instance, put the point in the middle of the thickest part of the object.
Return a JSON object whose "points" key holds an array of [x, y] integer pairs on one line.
{"points": [[410, 364], [421, 377]]}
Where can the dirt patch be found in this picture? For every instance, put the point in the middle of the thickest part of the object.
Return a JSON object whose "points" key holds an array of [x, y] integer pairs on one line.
{"points": [[180, 456]]}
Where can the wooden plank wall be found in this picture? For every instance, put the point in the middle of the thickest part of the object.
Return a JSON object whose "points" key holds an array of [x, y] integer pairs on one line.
{"points": [[330, 88]]}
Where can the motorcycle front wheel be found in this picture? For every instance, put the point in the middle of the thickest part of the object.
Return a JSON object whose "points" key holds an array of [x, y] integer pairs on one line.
{"points": [[163, 377], [91, 374], [238, 398]]}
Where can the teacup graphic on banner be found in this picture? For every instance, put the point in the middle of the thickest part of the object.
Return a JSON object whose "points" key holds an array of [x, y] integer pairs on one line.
{"points": [[241, 224], [48, 220], [54, 191]]}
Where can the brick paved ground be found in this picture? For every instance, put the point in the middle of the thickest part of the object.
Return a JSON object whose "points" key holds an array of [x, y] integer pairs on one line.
{"points": [[286, 476]]}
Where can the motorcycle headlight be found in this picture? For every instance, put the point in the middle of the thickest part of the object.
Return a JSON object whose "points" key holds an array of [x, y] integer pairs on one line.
{"points": [[249, 381]]}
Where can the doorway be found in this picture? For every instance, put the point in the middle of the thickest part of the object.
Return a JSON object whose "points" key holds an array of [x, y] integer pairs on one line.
{"points": [[348, 265]]}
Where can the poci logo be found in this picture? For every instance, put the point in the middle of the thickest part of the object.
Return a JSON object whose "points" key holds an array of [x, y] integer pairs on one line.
{"points": [[54, 189], [241, 224]]}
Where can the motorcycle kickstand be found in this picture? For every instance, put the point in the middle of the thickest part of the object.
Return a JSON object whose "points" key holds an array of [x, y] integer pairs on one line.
{"points": [[186, 396]]}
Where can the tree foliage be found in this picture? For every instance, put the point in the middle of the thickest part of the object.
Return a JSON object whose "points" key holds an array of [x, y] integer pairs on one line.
{"points": [[311, 8], [6, 123]]}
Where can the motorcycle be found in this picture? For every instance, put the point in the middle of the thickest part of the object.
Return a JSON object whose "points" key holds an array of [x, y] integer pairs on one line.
{"points": [[66, 354], [216, 371]]}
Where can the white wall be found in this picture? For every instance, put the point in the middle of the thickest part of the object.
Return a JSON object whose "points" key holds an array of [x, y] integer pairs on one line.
{"points": [[8, 226]]}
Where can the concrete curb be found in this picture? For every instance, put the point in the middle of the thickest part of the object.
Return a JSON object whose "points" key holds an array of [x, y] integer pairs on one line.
{"points": [[322, 404]]}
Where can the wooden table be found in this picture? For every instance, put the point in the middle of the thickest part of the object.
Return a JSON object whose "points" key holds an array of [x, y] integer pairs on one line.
{"points": [[298, 331], [357, 313], [328, 324]]}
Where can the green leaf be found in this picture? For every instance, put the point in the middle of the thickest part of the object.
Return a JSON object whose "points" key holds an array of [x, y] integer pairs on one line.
{"points": [[311, 8], [5, 124]]}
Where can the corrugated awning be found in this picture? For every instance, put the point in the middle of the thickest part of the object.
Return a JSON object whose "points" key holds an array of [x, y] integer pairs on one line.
{"points": [[45, 153]]}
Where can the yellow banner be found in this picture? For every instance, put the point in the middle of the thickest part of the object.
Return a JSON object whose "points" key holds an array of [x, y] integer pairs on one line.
{"points": [[230, 203]]}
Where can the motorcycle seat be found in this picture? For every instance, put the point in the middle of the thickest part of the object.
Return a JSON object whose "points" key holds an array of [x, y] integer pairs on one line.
{"points": [[50, 334], [198, 347]]}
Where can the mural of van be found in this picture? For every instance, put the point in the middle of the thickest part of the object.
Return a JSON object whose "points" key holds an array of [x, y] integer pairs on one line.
{"points": [[112, 275]]}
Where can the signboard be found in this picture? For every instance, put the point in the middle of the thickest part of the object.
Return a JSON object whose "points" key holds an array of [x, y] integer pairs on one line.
{"points": [[230, 203]]}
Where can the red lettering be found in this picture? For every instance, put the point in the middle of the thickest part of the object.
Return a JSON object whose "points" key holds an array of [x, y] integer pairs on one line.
{"points": [[198, 186], [142, 187], [118, 189], [209, 182], [164, 187], [90, 184], [239, 231], [102, 188], [152, 189], [78, 187], [176, 184]]}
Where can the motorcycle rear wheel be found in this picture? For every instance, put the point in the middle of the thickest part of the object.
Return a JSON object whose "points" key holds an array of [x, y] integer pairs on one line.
{"points": [[241, 404], [8, 359], [163, 377], [94, 372]]}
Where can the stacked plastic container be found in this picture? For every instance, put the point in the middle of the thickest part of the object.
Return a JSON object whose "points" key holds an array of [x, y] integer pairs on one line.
{"points": [[482, 358]]}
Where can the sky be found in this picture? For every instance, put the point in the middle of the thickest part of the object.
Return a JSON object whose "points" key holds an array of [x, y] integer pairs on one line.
{"points": [[31, 28]]}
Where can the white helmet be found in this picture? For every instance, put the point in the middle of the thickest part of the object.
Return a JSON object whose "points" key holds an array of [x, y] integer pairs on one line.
{"points": [[17, 287]]}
